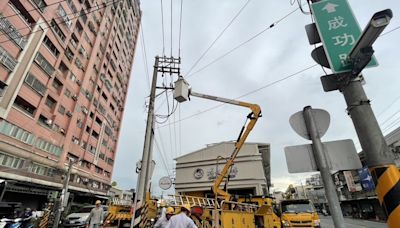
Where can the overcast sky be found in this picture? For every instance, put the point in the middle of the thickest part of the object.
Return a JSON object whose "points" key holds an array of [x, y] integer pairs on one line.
{"points": [[275, 54]]}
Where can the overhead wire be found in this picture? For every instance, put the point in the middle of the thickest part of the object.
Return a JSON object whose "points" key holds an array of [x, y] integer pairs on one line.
{"points": [[162, 27], [249, 93], [218, 37], [180, 30], [50, 26], [163, 159], [243, 43], [144, 53], [171, 26]]}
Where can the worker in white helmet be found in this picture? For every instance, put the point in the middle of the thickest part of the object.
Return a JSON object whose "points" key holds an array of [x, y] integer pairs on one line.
{"points": [[182, 219]]}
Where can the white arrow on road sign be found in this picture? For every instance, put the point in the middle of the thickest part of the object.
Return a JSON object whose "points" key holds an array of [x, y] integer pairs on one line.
{"points": [[330, 7]]}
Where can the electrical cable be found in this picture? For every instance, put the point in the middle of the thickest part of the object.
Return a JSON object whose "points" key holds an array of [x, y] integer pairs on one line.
{"points": [[248, 93], [171, 27], [219, 36], [243, 43], [144, 53], [180, 30], [389, 106], [162, 27], [50, 26], [390, 31], [180, 130], [163, 159]]}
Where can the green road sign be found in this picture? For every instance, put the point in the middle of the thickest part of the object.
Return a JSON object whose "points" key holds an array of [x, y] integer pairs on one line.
{"points": [[339, 32]]}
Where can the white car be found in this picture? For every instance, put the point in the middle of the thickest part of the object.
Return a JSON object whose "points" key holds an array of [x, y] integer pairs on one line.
{"points": [[79, 218]]}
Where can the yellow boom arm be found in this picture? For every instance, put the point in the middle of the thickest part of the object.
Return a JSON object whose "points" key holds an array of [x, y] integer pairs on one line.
{"points": [[253, 116]]}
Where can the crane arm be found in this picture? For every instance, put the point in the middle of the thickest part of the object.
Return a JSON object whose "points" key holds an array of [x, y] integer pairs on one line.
{"points": [[253, 117]]}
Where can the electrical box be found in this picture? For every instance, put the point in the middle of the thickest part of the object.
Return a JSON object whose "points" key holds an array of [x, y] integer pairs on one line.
{"points": [[181, 91]]}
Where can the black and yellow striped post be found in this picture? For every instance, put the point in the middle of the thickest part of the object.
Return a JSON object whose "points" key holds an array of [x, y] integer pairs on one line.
{"points": [[387, 181], [378, 157]]}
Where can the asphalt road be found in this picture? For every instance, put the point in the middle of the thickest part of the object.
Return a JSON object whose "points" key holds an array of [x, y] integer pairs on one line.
{"points": [[327, 222]]}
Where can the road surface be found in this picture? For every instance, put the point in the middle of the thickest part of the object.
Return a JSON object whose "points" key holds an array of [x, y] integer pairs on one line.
{"points": [[326, 222]]}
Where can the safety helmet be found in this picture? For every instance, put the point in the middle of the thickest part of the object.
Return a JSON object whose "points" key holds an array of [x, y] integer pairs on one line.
{"points": [[186, 206], [98, 202], [170, 210]]}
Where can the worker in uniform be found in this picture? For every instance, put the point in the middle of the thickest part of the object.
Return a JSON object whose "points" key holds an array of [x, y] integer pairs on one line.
{"points": [[95, 219], [182, 219], [163, 221]]}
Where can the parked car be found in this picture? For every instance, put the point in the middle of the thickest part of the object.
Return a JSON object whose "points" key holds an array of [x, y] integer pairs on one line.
{"points": [[78, 219]]}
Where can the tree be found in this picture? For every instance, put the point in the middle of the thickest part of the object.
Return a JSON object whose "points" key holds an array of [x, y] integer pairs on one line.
{"points": [[114, 183]]}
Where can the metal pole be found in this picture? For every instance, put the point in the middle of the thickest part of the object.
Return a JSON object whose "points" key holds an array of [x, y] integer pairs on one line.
{"points": [[63, 196], [320, 159], [144, 177], [379, 159]]}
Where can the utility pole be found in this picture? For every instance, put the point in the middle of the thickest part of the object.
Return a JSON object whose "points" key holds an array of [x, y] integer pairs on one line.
{"points": [[163, 65], [379, 159], [322, 164], [63, 196], [148, 140]]}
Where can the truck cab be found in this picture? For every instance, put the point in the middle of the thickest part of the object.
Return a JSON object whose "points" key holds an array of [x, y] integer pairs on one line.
{"points": [[298, 213]]}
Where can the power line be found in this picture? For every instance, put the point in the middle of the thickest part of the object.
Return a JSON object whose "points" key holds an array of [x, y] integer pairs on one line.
{"points": [[171, 28], [180, 30], [162, 27], [243, 43], [162, 157], [219, 36], [50, 26], [146, 66], [248, 93], [390, 31]]}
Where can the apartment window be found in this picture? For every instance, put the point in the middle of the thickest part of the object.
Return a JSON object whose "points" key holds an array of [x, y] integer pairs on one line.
{"points": [[95, 134], [61, 12], [24, 105], [69, 54], [7, 60], [83, 16], [50, 102], [44, 64], [57, 84], [57, 30], [52, 48], [92, 149], [7, 28], [110, 161], [16, 132], [72, 77], [48, 146], [98, 170], [22, 12], [104, 96], [41, 170], [72, 6], [41, 5], [78, 63], [67, 93], [35, 84], [10, 161], [108, 131], [61, 109], [79, 28], [98, 120]]}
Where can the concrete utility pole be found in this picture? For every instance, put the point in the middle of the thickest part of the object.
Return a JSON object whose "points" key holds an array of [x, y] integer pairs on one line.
{"points": [[145, 171], [320, 159], [379, 159], [64, 193]]}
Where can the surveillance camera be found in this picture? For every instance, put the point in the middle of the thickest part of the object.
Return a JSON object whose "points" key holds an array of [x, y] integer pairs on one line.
{"points": [[372, 31], [362, 51]]}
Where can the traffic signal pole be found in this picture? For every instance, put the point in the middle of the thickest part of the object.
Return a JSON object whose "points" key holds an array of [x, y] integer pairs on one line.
{"points": [[379, 159]]}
